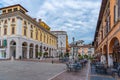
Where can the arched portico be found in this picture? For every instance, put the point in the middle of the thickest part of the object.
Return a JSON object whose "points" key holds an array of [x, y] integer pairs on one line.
{"points": [[24, 50], [105, 53], [13, 49], [114, 48], [36, 51], [31, 50]]}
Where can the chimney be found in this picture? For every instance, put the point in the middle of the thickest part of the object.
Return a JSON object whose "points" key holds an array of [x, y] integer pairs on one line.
{"points": [[39, 20]]}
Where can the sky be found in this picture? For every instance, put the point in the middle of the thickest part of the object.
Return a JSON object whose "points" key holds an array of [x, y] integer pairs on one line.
{"points": [[77, 17]]}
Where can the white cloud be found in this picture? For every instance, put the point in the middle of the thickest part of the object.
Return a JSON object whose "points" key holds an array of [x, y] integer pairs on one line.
{"points": [[77, 17]]}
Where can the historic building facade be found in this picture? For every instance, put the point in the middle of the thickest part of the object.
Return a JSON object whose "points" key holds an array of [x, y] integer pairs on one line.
{"points": [[107, 35], [62, 41], [23, 36], [78, 48]]}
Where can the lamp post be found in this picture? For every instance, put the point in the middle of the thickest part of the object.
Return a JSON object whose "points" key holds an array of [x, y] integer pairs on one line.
{"points": [[73, 47], [61, 49]]}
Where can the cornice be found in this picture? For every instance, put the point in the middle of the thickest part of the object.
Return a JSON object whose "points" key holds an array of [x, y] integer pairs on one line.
{"points": [[22, 16]]}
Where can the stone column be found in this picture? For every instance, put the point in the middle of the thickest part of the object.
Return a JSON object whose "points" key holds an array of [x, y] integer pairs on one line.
{"points": [[28, 49], [19, 26], [8, 54], [34, 51], [18, 48]]}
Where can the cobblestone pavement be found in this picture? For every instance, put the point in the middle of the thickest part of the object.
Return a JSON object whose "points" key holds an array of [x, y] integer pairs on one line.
{"points": [[97, 76], [47, 60], [80, 75], [26, 70], [84, 74]]}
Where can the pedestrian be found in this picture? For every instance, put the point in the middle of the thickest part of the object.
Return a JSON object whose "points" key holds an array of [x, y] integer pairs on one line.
{"points": [[52, 61]]}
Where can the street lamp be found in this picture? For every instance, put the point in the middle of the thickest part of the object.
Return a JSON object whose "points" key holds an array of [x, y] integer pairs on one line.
{"points": [[61, 49], [73, 47]]}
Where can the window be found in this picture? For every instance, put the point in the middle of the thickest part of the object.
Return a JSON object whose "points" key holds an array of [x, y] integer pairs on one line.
{"points": [[4, 11], [13, 30], [5, 21], [0, 31], [9, 10], [41, 37], [115, 13], [36, 35], [5, 31], [15, 9], [44, 38], [108, 24], [25, 31], [22, 11], [25, 23], [13, 20], [31, 26], [31, 34], [118, 3], [0, 43]]}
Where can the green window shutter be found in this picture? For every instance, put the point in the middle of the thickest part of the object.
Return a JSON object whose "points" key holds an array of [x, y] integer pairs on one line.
{"points": [[5, 43]]}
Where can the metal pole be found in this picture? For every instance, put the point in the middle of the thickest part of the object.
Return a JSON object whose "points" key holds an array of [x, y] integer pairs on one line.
{"points": [[73, 48], [61, 49]]}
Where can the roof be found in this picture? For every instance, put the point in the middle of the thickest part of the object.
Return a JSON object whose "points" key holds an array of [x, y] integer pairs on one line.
{"points": [[13, 6], [103, 5]]}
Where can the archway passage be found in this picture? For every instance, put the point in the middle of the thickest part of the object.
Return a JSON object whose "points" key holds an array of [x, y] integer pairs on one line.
{"points": [[36, 51], [24, 50], [13, 49], [114, 49], [31, 51], [105, 53], [50, 52]]}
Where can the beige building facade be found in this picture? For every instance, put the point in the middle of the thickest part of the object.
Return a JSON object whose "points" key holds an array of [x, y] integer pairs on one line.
{"points": [[23, 36]]}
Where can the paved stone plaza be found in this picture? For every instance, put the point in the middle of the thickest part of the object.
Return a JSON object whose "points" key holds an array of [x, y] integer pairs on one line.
{"points": [[25, 70]]}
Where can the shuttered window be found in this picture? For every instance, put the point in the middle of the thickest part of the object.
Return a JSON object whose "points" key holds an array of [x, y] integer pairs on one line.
{"points": [[118, 8]]}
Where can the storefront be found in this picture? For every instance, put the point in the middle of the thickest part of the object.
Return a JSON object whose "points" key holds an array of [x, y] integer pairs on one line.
{"points": [[2, 53]]}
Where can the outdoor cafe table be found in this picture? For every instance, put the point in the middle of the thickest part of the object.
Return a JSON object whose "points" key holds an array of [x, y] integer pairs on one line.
{"points": [[100, 68], [74, 66]]}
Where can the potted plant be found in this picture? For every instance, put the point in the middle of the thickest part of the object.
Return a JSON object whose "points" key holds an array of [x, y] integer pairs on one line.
{"points": [[45, 54], [39, 55]]}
